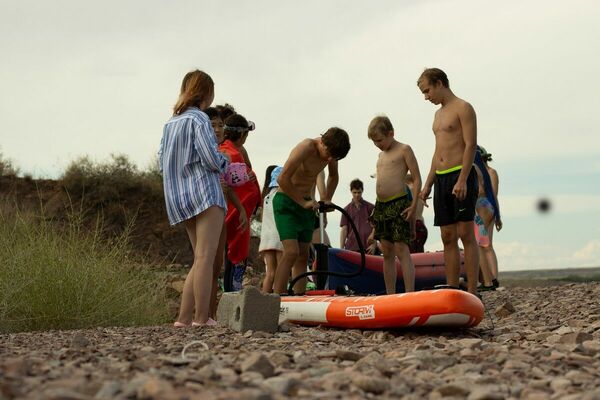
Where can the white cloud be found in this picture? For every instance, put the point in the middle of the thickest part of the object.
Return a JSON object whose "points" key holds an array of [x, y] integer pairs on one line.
{"points": [[526, 256], [589, 254], [522, 256]]}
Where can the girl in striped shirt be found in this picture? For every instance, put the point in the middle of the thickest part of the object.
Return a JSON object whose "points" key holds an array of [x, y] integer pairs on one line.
{"points": [[191, 166]]}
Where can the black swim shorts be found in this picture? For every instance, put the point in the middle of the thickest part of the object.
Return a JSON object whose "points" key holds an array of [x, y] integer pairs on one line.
{"points": [[449, 210]]}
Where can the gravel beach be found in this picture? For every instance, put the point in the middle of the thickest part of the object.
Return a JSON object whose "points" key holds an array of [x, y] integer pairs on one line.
{"points": [[534, 343]]}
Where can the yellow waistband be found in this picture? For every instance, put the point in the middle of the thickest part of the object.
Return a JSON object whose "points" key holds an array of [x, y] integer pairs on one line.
{"points": [[447, 171], [397, 196]]}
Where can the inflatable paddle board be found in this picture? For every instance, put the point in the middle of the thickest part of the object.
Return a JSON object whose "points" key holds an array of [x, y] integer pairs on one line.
{"points": [[442, 307]]}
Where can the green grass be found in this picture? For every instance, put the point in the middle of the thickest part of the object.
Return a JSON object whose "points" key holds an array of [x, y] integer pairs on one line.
{"points": [[69, 277]]}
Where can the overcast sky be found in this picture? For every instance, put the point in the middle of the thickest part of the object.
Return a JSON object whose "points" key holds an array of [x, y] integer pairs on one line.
{"points": [[95, 78]]}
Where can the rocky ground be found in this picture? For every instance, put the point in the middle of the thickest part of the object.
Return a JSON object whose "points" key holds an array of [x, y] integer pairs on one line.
{"points": [[536, 343]]}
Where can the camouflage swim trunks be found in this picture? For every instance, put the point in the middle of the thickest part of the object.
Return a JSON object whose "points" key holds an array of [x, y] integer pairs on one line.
{"points": [[388, 221]]}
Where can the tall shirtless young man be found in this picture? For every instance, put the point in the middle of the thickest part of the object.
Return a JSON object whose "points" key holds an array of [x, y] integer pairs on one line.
{"points": [[294, 206], [452, 173]]}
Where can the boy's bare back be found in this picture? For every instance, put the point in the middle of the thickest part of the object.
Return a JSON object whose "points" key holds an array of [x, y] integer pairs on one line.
{"points": [[299, 174]]}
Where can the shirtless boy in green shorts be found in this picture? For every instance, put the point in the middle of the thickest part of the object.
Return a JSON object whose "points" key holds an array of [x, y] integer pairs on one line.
{"points": [[293, 205], [394, 214]]}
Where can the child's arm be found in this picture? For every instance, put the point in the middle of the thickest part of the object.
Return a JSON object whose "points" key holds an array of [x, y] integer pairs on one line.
{"points": [[332, 181], [424, 195], [495, 183], [235, 200], [371, 244], [321, 187], [245, 156], [343, 235], [413, 167]]}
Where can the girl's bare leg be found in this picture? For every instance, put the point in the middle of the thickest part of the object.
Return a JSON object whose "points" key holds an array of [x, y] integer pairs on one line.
{"points": [[200, 276], [484, 252], [209, 221], [490, 253], [486, 272], [217, 266], [270, 257], [186, 308], [284, 269]]}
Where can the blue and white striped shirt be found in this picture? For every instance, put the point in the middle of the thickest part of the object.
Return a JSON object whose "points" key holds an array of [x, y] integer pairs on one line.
{"points": [[191, 165]]}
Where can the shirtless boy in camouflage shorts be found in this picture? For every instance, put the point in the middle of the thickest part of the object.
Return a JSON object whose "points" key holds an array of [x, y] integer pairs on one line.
{"points": [[394, 214]]}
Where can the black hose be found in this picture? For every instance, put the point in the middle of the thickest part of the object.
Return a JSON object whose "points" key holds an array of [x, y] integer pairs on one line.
{"points": [[324, 208]]}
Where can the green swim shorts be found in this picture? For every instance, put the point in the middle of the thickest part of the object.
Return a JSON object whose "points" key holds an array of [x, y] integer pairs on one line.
{"points": [[292, 220], [388, 221]]}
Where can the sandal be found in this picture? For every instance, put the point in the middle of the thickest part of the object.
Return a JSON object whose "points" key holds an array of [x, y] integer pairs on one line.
{"points": [[178, 324], [209, 322]]}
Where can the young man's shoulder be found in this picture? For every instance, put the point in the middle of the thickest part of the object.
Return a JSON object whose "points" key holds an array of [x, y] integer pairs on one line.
{"points": [[462, 105]]}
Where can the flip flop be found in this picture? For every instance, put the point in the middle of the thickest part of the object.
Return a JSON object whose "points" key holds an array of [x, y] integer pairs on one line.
{"points": [[178, 324], [209, 322]]}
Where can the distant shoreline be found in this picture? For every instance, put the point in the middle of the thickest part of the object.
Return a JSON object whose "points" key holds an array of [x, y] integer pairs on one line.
{"points": [[547, 277]]}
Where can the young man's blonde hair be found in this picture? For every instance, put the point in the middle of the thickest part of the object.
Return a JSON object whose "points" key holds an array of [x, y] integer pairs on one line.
{"points": [[379, 125], [433, 75]]}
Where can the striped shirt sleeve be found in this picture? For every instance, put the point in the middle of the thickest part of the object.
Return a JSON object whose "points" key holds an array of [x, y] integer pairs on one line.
{"points": [[161, 152]]}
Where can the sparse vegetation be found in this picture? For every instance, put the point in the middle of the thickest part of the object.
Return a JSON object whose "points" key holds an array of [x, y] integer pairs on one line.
{"points": [[116, 190], [105, 183], [72, 278], [7, 167]]}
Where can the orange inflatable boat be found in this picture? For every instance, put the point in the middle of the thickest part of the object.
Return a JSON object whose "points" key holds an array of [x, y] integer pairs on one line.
{"points": [[443, 307]]}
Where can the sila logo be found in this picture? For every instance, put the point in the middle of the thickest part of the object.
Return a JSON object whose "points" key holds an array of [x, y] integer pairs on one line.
{"points": [[362, 312]]}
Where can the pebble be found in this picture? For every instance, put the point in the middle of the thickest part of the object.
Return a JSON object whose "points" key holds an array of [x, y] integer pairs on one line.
{"points": [[544, 344]]}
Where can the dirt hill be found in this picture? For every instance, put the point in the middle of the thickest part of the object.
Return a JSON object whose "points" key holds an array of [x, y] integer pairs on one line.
{"points": [[117, 204]]}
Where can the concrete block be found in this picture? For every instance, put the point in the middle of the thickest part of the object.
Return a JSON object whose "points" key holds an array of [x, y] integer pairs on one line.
{"points": [[249, 309]]}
